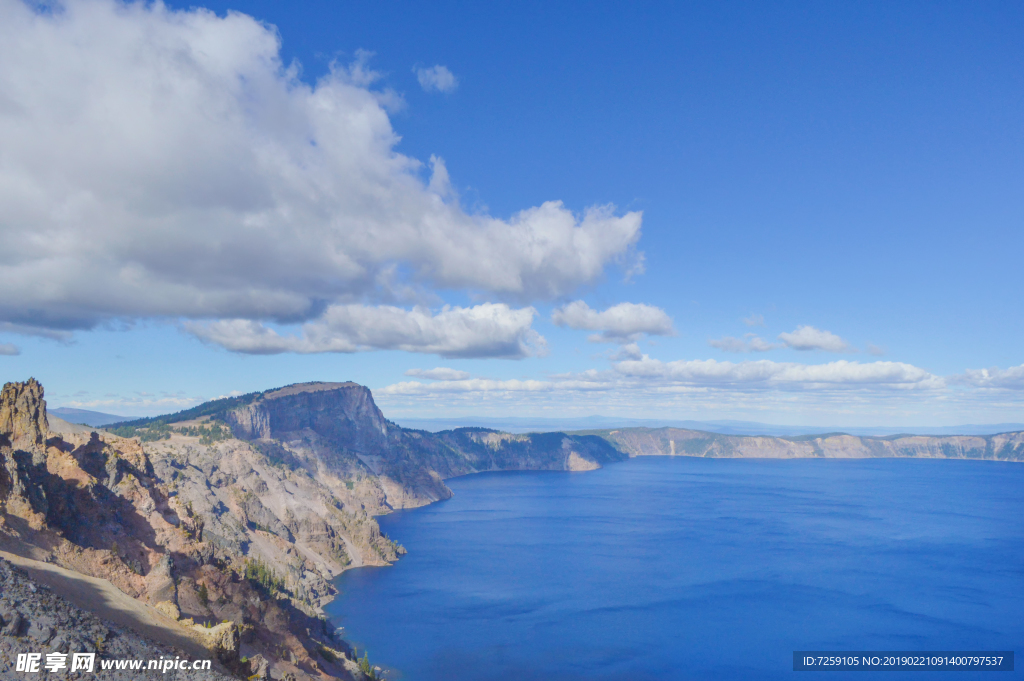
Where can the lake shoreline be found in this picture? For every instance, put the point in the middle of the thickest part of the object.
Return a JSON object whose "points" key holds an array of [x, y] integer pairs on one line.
{"points": [[449, 555]]}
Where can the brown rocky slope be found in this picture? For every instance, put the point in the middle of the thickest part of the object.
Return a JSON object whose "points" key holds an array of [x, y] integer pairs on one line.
{"points": [[94, 503]]}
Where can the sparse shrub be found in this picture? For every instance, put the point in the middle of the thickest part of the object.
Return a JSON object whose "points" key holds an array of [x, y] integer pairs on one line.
{"points": [[260, 573], [204, 595], [215, 432], [157, 430]]}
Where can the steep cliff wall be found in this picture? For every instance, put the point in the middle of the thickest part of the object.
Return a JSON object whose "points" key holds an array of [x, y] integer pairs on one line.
{"points": [[344, 413], [337, 433]]}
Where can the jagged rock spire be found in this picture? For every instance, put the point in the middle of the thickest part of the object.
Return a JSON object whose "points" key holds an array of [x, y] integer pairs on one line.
{"points": [[23, 414], [23, 431]]}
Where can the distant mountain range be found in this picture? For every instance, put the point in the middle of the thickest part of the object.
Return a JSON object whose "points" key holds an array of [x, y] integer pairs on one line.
{"points": [[725, 427], [86, 417], [527, 424]]}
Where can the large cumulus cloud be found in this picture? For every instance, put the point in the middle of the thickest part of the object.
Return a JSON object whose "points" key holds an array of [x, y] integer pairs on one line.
{"points": [[158, 163]]}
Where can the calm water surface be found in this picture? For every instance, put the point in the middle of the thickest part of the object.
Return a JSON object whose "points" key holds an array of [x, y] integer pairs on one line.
{"points": [[683, 568]]}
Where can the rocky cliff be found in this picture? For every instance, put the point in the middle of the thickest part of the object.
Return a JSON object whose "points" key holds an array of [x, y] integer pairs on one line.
{"points": [[338, 435], [232, 518], [681, 442], [94, 503]]}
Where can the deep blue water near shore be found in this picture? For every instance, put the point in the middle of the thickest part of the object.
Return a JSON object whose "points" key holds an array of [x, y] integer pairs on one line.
{"points": [[684, 568]]}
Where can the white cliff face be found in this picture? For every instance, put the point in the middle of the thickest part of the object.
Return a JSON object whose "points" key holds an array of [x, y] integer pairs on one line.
{"points": [[668, 441]]}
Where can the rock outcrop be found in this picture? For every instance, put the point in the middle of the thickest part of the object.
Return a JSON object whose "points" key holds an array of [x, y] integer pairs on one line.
{"points": [[23, 414], [23, 429]]}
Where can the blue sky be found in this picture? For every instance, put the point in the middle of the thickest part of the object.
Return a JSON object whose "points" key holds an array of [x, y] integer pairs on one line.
{"points": [[817, 215]]}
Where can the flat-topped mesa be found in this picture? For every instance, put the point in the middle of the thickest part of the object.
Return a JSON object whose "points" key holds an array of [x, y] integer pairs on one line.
{"points": [[23, 422], [342, 412]]}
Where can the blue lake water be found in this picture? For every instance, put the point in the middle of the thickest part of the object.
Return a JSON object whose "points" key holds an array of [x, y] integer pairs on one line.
{"points": [[685, 568]]}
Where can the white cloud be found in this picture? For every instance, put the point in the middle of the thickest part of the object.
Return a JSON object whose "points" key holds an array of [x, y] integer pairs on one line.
{"points": [[487, 330], [1012, 378], [782, 375], [647, 380], [618, 324], [754, 320], [9, 349], [810, 338], [439, 374], [464, 386], [159, 163], [749, 343], [483, 386], [436, 79], [833, 393], [628, 351], [143, 404]]}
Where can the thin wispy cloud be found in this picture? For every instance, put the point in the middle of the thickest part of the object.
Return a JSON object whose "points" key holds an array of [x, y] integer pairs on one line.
{"points": [[436, 79], [783, 375], [640, 385], [137, 404], [652, 376], [9, 349], [439, 374], [754, 320], [749, 343]]}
